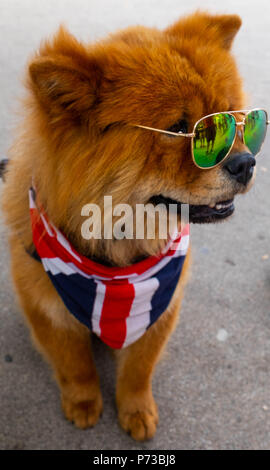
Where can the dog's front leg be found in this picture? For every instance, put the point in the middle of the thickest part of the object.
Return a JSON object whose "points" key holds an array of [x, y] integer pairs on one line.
{"points": [[60, 337], [137, 409], [69, 353]]}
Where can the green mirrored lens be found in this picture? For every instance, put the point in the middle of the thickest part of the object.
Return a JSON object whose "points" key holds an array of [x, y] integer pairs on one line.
{"points": [[214, 136], [255, 130]]}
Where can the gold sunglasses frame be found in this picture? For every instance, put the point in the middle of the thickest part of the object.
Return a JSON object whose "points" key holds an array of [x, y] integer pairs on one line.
{"points": [[191, 135]]}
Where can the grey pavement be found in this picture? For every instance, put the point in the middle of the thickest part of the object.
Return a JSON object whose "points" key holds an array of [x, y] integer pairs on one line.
{"points": [[213, 385]]}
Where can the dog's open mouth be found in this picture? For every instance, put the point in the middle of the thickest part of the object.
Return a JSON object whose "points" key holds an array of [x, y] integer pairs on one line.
{"points": [[200, 214]]}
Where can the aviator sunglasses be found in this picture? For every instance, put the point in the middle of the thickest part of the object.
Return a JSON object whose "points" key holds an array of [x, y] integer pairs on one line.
{"points": [[214, 135]]}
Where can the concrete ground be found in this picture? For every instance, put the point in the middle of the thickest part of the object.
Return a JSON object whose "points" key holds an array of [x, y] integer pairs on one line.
{"points": [[213, 386]]}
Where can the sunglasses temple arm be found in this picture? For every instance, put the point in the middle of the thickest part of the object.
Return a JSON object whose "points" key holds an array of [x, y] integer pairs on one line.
{"points": [[178, 134]]}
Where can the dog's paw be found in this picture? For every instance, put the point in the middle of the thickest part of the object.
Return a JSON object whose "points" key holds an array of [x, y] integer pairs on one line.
{"points": [[139, 419], [83, 414]]}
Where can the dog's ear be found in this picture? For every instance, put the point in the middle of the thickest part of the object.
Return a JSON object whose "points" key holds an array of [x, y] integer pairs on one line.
{"points": [[65, 79], [221, 28]]}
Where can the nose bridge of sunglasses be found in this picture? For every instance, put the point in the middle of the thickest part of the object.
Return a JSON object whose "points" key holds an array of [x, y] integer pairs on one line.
{"points": [[240, 126], [239, 143]]}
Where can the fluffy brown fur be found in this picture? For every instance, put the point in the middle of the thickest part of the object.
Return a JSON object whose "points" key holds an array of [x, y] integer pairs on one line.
{"points": [[137, 76]]}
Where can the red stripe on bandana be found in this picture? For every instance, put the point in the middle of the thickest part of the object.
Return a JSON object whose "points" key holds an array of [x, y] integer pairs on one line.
{"points": [[46, 244], [113, 309]]}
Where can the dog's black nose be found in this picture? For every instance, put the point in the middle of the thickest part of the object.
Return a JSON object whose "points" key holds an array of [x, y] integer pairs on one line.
{"points": [[240, 166]]}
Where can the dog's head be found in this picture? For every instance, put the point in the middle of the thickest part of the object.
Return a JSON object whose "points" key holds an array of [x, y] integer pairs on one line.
{"points": [[89, 99]]}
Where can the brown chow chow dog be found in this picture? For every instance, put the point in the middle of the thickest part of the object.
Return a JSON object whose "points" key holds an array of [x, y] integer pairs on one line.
{"points": [[78, 143]]}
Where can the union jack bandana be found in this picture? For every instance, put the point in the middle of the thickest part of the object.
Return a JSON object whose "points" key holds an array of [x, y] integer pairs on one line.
{"points": [[117, 304]]}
